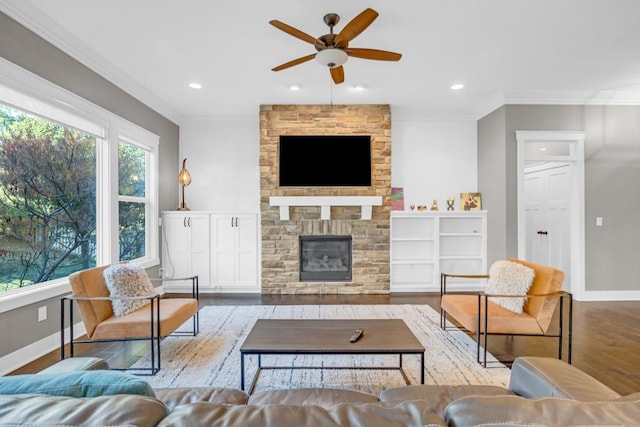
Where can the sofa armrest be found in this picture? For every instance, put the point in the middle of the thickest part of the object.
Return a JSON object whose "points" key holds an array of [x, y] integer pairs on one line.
{"points": [[546, 411], [547, 377]]}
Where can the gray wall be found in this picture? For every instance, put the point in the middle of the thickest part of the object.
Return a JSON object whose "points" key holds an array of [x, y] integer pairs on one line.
{"points": [[26, 49], [612, 176], [492, 181]]}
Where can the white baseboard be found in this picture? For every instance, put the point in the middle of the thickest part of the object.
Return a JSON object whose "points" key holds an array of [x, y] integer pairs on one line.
{"points": [[609, 296], [19, 358]]}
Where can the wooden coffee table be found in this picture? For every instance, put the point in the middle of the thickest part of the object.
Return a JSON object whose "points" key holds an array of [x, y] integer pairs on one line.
{"points": [[331, 336]]}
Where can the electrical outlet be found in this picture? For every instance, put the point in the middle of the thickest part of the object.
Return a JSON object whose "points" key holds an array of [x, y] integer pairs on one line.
{"points": [[42, 313]]}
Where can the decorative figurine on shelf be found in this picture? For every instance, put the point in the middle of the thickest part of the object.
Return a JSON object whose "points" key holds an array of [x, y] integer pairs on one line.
{"points": [[412, 207], [434, 206], [450, 203], [422, 208]]}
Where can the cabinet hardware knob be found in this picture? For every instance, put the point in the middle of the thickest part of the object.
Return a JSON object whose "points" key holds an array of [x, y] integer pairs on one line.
{"points": [[544, 233]]}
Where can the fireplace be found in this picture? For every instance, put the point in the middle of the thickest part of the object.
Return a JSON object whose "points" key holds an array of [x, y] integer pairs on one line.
{"points": [[325, 258]]}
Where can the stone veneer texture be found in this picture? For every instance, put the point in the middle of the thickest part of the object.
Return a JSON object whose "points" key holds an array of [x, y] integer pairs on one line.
{"points": [[371, 238]]}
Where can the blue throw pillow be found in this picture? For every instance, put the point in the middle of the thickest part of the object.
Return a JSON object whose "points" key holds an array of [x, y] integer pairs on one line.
{"points": [[76, 384]]}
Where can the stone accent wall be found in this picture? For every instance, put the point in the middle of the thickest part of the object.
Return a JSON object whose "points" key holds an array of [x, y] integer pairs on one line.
{"points": [[371, 238]]}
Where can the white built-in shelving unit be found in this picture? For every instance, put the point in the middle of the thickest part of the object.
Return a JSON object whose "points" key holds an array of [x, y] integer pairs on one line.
{"points": [[425, 244]]}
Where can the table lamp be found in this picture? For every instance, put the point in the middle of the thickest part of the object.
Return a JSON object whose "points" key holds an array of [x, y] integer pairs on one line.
{"points": [[184, 178]]}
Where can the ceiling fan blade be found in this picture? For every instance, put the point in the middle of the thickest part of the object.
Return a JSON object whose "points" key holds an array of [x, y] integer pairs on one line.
{"points": [[355, 27], [295, 32], [337, 74], [379, 55], [294, 62]]}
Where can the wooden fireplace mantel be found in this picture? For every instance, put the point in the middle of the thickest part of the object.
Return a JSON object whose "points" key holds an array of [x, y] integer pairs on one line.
{"points": [[366, 204]]}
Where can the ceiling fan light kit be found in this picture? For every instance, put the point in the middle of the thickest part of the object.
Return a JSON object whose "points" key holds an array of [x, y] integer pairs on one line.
{"points": [[332, 57], [333, 49]]}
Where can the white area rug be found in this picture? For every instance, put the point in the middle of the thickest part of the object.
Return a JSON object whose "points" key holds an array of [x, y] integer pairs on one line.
{"points": [[213, 357]]}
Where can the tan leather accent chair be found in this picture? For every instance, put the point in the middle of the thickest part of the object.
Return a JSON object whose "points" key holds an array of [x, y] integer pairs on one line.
{"points": [[156, 320], [478, 314]]}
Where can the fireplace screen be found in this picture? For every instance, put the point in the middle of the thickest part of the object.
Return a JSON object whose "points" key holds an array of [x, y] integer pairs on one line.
{"points": [[325, 258]]}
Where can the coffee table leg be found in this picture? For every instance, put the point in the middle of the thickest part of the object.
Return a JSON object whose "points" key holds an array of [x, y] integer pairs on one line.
{"points": [[242, 371], [400, 361], [422, 368]]}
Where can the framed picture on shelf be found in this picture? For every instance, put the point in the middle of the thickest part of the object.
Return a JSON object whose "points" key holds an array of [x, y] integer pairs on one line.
{"points": [[470, 202], [397, 199]]}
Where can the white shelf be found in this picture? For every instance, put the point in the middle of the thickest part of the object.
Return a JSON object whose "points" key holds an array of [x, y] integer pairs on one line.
{"points": [[424, 244], [325, 203]]}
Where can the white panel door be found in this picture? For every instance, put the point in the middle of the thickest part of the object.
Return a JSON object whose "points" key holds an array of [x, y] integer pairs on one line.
{"points": [[177, 248], [224, 249], [548, 216], [186, 250], [246, 250], [198, 225]]}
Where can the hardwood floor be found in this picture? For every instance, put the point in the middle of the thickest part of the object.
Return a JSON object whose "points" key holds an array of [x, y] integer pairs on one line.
{"points": [[606, 335]]}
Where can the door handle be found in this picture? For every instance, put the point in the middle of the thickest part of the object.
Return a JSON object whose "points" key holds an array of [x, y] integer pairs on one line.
{"points": [[544, 233], [184, 221], [236, 221], [189, 222]]}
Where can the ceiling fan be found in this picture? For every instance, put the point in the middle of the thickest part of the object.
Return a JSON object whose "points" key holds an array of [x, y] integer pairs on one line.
{"points": [[333, 49]]}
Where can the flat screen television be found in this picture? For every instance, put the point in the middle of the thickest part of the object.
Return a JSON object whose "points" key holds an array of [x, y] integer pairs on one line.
{"points": [[325, 161]]}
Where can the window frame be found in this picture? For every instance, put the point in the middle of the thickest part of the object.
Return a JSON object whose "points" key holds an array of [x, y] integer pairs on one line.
{"points": [[26, 91]]}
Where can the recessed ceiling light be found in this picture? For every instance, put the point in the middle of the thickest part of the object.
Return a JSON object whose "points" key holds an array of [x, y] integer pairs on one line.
{"points": [[359, 88], [457, 86], [543, 148], [195, 85], [294, 87]]}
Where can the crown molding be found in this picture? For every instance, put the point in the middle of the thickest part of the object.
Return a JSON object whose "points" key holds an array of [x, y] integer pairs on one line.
{"points": [[43, 26]]}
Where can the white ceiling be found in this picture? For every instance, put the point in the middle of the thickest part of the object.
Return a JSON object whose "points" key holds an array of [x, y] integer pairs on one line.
{"points": [[504, 51]]}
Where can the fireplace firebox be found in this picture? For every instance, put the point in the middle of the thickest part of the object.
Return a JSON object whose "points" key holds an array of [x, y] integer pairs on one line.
{"points": [[325, 258]]}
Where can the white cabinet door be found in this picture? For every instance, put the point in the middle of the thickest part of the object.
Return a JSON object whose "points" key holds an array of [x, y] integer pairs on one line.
{"points": [[186, 247], [234, 243], [246, 250]]}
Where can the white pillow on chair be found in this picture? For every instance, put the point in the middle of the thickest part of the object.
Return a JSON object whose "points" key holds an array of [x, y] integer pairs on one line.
{"points": [[128, 280], [509, 278]]}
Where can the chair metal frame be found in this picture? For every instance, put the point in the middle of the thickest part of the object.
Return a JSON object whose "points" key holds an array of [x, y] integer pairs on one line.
{"points": [[483, 321], [154, 325]]}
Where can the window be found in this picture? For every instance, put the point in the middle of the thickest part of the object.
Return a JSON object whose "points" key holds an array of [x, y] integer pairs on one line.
{"points": [[132, 201], [78, 188], [47, 199]]}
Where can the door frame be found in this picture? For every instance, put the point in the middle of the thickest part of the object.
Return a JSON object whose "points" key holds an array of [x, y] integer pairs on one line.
{"points": [[575, 157]]}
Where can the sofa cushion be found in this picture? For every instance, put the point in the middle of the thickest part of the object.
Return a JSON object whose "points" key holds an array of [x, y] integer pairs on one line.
{"points": [[409, 414], [173, 397], [325, 397], [516, 410], [128, 280], [437, 397], [509, 278], [76, 384], [120, 410]]}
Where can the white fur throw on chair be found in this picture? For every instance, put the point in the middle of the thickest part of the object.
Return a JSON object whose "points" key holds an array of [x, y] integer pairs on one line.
{"points": [[509, 278], [128, 280]]}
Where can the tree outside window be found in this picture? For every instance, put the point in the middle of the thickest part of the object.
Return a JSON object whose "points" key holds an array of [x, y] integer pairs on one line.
{"points": [[47, 199], [132, 205]]}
